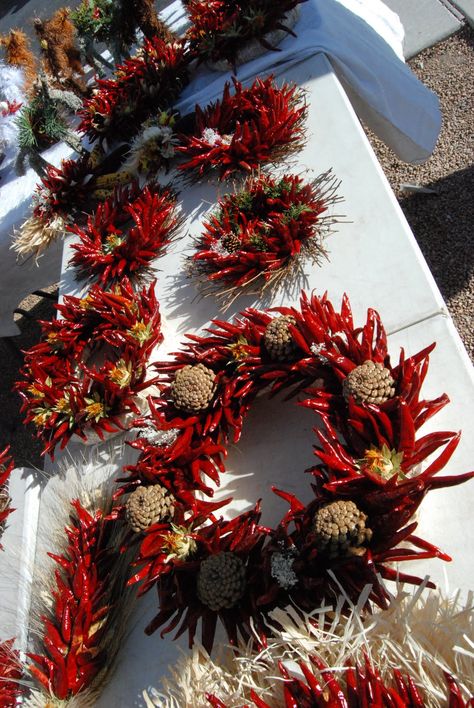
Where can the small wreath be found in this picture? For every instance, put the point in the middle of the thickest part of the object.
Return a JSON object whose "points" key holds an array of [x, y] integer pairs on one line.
{"points": [[256, 125], [261, 234], [219, 30], [86, 373], [367, 484], [125, 234]]}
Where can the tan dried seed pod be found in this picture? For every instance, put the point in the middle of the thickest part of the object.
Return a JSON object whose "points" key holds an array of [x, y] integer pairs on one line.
{"points": [[340, 529], [369, 382], [149, 505], [231, 243], [278, 340], [193, 388], [221, 580]]}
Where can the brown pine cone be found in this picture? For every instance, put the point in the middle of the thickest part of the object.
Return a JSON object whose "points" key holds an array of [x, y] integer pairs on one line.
{"points": [[221, 581], [231, 243], [149, 505], [278, 341], [340, 529], [193, 388], [370, 382]]}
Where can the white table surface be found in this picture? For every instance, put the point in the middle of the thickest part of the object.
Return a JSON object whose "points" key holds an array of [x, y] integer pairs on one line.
{"points": [[20, 276], [375, 259]]}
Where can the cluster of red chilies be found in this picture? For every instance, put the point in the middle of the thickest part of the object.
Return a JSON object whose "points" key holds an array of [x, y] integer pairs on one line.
{"points": [[87, 588], [6, 467], [142, 86], [213, 34], [11, 673], [125, 234], [89, 367], [355, 687], [245, 129], [63, 190], [261, 229], [376, 467], [11, 108]]}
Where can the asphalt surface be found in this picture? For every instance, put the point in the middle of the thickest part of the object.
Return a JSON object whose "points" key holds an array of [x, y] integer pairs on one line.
{"points": [[19, 14]]}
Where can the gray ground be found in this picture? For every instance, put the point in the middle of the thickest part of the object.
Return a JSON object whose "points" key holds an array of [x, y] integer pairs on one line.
{"points": [[442, 221]]}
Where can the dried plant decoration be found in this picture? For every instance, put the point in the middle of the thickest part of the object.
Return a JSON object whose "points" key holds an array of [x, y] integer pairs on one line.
{"points": [[87, 372], [81, 605], [61, 57], [142, 86], [125, 235], [421, 647], [263, 234], [17, 52], [115, 22], [65, 196], [222, 29], [11, 674], [243, 130], [367, 482], [154, 147]]}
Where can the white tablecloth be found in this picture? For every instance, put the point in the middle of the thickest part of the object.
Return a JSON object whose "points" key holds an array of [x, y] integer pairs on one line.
{"points": [[363, 40]]}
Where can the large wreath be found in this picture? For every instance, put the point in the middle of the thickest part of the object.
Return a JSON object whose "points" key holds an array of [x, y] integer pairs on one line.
{"points": [[367, 483]]}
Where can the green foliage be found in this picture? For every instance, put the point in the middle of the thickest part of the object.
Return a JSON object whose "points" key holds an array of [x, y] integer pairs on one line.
{"points": [[258, 242], [41, 122], [93, 19], [294, 212], [243, 201]]}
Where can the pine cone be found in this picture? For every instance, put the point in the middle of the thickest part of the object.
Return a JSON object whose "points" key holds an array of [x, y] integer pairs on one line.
{"points": [[193, 388], [221, 581], [149, 505], [231, 243], [278, 341], [370, 382], [340, 529]]}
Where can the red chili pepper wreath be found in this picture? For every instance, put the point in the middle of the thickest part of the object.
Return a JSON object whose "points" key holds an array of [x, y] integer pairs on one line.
{"points": [[259, 235], [91, 364], [367, 484], [125, 234], [255, 125]]}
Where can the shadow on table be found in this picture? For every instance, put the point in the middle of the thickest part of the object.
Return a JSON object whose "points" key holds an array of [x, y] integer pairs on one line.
{"points": [[186, 301], [442, 225], [24, 446]]}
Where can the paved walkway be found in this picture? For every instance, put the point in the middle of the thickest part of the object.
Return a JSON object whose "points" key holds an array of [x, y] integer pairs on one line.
{"points": [[427, 22]]}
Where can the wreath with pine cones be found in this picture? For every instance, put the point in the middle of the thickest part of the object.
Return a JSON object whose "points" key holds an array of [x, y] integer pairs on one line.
{"points": [[366, 486], [259, 236]]}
